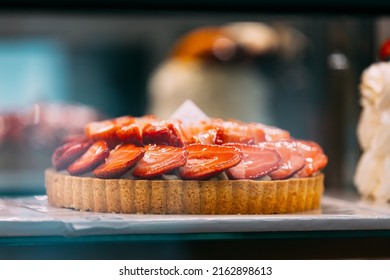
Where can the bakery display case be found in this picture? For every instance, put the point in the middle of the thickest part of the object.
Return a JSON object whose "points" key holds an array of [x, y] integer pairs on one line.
{"points": [[297, 67]]}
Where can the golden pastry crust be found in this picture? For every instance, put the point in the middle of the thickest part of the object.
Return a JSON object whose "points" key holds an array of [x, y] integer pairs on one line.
{"points": [[183, 197]]}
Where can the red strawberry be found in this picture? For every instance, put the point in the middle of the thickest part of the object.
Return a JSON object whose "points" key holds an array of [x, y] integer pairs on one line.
{"points": [[206, 137], [256, 162], [314, 155], [159, 159], [130, 134], [94, 156], [271, 133], [204, 132], [292, 159], [205, 161], [106, 130], [66, 154], [167, 133], [120, 160], [235, 132]]}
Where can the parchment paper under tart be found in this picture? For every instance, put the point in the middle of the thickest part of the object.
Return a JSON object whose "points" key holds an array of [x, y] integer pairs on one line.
{"points": [[184, 197]]}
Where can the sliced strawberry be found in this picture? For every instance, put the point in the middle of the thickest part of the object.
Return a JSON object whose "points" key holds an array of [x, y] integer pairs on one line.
{"points": [[205, 161], [206, 137], [163, 133], [159, 159], [226, 135], [130, 134], [314, 156], [120, 160], [106, 130], [271, 133], [235, 132], [66, 154], [204, 132], [123, 120], [93, 157], [255, 163], [292, 159]]}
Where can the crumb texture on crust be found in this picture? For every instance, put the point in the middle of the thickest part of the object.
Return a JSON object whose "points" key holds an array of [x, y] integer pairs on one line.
{"points": [[183, 197]]}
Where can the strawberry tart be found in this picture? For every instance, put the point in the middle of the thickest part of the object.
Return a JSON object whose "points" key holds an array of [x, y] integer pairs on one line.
{"points": [[213, 166]]}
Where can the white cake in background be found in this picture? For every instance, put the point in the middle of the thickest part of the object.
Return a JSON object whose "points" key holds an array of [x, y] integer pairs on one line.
{"points": [[372, 177]]}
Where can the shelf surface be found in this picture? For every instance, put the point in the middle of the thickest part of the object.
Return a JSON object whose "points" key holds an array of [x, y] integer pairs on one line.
{"points": [[31, 216]]}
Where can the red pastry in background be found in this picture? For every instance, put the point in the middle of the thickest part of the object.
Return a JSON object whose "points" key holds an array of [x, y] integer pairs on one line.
{"points": [[29, 136]]}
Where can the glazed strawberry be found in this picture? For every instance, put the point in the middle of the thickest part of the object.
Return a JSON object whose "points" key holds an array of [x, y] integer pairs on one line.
{"points": [[159, 159], [120, 160], [166, 133], [204, 132], [256, 162], [234, 132], [205, 161], [206, 137], [292, 159], [314, 156], [106, 130], [226, 135], [130, 134], [271, 133], [94, 156], [66, 154]]}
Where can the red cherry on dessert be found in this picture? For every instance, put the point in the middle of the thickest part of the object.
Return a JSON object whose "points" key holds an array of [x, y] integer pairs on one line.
{"points": [[384, 52]]}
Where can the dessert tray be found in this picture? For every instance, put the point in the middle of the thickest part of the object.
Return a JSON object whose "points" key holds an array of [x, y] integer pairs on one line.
{"points": [[32, 216]]}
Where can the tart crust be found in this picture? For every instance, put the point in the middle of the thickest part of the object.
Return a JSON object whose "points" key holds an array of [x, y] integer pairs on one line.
{"points": [[183, 197]]}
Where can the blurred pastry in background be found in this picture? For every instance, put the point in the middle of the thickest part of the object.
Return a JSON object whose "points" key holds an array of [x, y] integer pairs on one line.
{"points": [[29, 136], [214, 67], [372, 176]]}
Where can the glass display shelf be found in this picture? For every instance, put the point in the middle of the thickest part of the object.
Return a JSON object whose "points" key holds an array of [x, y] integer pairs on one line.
{"points": [[31, 229]]}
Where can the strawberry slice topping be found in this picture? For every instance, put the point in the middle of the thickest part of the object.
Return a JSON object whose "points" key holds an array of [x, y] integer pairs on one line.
{"points": [[256, 162], [314, 156], [130, 134], [205, 161], [94, 156], [206, 137], [66, 154], [120, 160], [234, 132], [292, 159], [271, 133], [159, 159], [168, 133], [106, 130], [204, 132]]}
